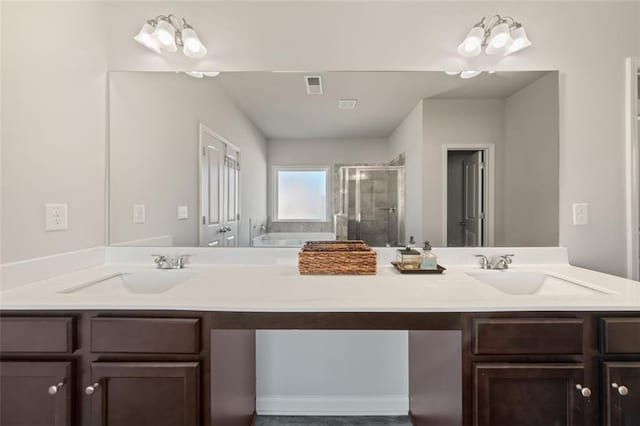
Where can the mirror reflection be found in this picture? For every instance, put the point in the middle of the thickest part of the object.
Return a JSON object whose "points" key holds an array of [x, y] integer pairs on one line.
{"points": [[273, 159]]}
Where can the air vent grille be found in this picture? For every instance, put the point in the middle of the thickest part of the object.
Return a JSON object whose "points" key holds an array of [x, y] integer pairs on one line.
{"points": [[314, 84], [347, 103]]}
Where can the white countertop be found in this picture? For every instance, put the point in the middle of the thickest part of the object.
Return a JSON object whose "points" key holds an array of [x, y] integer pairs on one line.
{"points": [[279, 288]]}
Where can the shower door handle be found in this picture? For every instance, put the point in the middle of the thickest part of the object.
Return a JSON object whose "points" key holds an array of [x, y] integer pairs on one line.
{"points": [[358, 220]]}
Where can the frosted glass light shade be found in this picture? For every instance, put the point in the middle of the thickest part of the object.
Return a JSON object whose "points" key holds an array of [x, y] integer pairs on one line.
{"points": [[499, 40], [145, 38], [520, 40], [472, 44], [165, 33], [194, 74], [193, 47], [465, 75]]}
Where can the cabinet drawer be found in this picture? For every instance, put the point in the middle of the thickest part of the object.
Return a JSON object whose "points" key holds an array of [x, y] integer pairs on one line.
{"points": [[36, 334], [620, 335], [145, 335], [527, 336]]}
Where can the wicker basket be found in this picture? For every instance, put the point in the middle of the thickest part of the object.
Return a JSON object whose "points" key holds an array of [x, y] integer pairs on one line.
{"points": [[337, 258]]}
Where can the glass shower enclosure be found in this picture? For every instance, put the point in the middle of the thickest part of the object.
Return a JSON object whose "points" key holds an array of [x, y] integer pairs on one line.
{"points": [[371, 205]]}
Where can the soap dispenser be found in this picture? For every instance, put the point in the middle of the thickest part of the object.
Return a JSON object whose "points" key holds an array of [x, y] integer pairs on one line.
{"points": [[429, 260]]}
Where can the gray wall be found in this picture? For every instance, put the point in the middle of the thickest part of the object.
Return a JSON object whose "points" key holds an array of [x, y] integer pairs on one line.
{"points": [[455, 122], [53, 126], [531, 187], [407, 139], [591, 105], [154, 155]]}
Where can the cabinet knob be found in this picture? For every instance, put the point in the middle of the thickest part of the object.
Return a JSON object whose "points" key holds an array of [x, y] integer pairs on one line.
{"points": [[584, 391], [89, 390], [622, 389], [53, 389]]}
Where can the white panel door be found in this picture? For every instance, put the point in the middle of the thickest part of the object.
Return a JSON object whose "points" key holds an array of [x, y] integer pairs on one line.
{"points": [[212, 226], [473, 200], [231, 191]]}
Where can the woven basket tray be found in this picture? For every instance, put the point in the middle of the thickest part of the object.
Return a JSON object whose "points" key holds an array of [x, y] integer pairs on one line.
{"points": [[337, 258]]}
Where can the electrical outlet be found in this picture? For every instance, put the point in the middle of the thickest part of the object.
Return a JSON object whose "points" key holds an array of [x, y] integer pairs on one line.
{"points": [[581, 213], [139, 213], [56, 217], [183, 212]]}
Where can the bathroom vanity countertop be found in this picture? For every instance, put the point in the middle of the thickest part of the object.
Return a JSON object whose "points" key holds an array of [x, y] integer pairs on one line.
{"points": [[279, 288]]}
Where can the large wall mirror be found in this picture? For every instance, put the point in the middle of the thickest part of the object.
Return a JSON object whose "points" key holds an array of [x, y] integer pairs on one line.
{"points": [[273, 159]]}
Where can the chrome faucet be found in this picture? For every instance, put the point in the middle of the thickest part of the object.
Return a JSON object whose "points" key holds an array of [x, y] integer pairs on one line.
{"points": [[166, 262], [495, 262]]}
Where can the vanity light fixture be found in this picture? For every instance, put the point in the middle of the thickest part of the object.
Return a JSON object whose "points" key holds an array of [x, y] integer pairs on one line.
{"points": [[466, 74], [202, 74], [166, 33], [498, 36]]}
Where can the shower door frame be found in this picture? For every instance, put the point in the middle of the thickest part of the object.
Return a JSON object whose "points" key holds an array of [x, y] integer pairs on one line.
{"points": [[400, 208]]}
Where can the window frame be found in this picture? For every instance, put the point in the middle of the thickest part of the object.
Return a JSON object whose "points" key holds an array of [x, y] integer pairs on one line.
{"points": [[274, 190]]}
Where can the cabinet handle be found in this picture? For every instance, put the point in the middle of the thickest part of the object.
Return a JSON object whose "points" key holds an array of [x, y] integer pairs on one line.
{"points": [[53, 389], [89, 390], [622, 389], [584, 391]]}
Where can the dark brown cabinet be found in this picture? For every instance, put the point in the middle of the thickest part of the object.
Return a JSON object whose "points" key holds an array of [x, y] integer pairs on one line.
{"points": [[145, 393], [35, 393], [622, 393], [508, 394], [165, 368]]}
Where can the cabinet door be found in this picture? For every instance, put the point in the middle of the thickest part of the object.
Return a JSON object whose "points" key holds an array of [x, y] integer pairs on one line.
{"points": [[622, 393], [145, 393], [35, 393], [509, 394]]}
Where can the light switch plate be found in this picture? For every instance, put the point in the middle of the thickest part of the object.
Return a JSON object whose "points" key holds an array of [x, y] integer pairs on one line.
{"points": [[581, 213], [56, 217], [183, 212], [139, 213]]}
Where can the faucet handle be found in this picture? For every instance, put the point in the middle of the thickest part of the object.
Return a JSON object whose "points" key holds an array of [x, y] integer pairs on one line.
{"points": [[484, 260], [180, 259], [159, 258], [508, 258]]}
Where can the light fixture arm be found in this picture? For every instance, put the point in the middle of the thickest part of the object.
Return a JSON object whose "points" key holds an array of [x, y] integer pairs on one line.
{"points": [[494, 21], [175, 23]]}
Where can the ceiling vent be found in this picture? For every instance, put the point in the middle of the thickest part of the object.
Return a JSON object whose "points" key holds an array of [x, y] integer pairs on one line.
{"points": [[314, 84], [347, 103]]}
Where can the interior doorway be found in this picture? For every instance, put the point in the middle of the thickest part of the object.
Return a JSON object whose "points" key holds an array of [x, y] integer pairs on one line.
{"points": [[467, 196], [219, 190]]}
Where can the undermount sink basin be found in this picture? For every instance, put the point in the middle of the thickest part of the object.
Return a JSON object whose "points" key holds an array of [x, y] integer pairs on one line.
{"points": [[144, 282], [532, 282]]}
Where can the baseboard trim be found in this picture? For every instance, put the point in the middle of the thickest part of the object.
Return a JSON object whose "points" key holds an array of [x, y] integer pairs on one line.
{"points": [[389, 405]]}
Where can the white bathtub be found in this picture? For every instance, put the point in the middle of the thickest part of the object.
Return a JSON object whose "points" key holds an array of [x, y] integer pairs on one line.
{"points": [[290, 239]]}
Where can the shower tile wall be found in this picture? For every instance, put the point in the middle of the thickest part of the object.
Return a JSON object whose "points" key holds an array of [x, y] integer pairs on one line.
{"points": [[378, 206]]}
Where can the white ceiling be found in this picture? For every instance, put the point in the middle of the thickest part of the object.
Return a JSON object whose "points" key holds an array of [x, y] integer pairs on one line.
{"points": [[278, 104]]}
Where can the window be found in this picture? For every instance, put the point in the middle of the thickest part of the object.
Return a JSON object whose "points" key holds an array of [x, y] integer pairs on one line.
{"points": [[301, 194]]}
